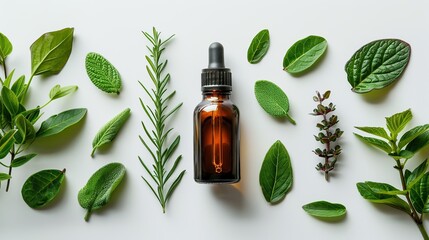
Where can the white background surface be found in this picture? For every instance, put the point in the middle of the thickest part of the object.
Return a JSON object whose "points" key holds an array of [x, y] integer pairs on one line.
{"points": [[113, 28]]}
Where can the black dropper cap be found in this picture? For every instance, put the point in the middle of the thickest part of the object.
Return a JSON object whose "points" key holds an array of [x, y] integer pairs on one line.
{"points": [[216, 76]]}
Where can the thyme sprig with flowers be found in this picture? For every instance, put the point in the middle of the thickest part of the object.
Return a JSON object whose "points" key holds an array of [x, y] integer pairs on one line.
{"points": [[158, 114], [326, 135]]}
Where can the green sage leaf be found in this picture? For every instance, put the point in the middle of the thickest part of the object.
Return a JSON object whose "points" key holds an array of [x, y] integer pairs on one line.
{"points": [[377, 131], [324, 209], [58, 123], [272, 99], [276, 176], [376, 193], [5, 48], [411, 134], [58, 92], [6, 143], [10, 101], [102, 73], [377, 64], [380, 144], [419, 194], [100, 186], [259, 46], [109, 131], [17, 162], [418, 143], [398, 121], [50, 52], [26, 131], [304, 53], [416, 174], [42, 187]]}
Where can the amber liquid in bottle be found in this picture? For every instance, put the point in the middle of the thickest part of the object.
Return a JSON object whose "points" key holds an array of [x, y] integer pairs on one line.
{"points": [[216, 126]]}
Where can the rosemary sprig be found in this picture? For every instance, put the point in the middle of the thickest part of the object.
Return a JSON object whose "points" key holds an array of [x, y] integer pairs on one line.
{"points": [[326, 136], [158, 114]]}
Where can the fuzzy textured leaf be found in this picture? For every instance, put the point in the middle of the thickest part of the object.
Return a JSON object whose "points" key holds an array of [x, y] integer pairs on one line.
{"points": [[50, 52], [59, 122], [99, 188], [109, 131], [377, 131], [272, 99], [5, 47], [419, 194], [375, 193], [42, 187], [102, 73], [304, 53], [375, 142], [324, 209], [398, 121], [259, 46], [276, 176], [377, 64]]}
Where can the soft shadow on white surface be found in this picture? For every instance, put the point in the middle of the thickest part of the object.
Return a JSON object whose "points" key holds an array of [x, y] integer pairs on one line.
{"points": [[230, 196]]}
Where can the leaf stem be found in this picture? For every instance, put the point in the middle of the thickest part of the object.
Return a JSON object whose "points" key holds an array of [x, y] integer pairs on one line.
{"points": [[27, 87], [12, 157], [4, 70], [87, 215], [423, 231]]}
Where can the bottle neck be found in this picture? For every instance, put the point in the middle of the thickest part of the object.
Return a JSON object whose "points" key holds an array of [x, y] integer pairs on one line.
{"points": [[216, 94]]}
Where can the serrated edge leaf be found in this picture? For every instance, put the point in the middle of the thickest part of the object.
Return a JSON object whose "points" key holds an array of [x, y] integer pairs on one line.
{"points": [[416, 174], [377, 131], [102, 73], [380, 144], [398, 121], [109, 131], [259, 46], [418, 143], [320, 47], [411, 134]]}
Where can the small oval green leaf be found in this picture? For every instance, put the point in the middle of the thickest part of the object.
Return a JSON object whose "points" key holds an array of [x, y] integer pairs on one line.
{"points": [[50, 52], [109, 131], [272, 99], [102, 73], [5, 48], [17, 162], [100, 186], [4, 176], [259, 46], [58, 123], [58, 92], [377, 64], [304, 53], [42, 187], [324, 209], [276, 176]]}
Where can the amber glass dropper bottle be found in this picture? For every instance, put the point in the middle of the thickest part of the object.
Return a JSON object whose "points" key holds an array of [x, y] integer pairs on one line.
{"points": [[216, 125]]}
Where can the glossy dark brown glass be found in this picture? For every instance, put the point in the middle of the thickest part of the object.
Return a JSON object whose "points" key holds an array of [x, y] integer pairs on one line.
{"points": [[216, 139]]}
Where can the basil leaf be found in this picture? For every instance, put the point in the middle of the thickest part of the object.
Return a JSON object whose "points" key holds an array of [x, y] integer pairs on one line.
{"points": [[26, 131], [17, 162], [419, 194], [377, 131], [10, 101], [5, 48], [6, 143], [416, 174], [100, 186], [109, 131], [276, 175], [375, 142], [272, 99], [398, 121], [58, 123], [304, 53], [259, 46], [411, 134], [102, 73], [377, 64], [42, 187], [418, 143], [375, 193], [58, 92], [50, 52], [324, 209]]}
